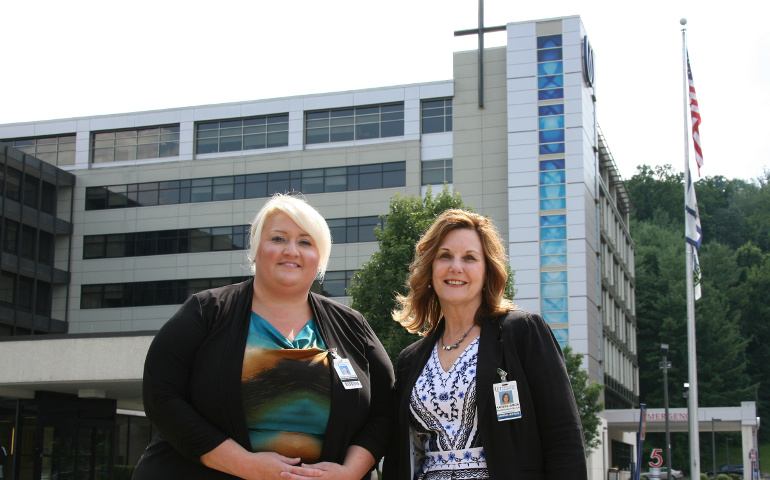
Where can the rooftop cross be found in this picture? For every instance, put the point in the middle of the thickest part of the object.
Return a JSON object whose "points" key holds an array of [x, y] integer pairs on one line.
{"points": [[480, 31]]}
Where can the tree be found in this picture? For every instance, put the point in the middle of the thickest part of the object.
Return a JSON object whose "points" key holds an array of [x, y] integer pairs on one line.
{"points": [[587, 395], [731, 318], [374, 286]]}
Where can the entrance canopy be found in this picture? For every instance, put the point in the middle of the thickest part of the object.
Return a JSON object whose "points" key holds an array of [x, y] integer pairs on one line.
{"points": [[742, 419]]}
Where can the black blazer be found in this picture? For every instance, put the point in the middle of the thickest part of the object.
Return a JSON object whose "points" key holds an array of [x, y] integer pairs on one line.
{"points": [[545, 443], [192, 383]]}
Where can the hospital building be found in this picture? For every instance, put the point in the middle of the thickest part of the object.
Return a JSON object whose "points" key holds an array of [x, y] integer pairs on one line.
{"points": [[109, 222]]}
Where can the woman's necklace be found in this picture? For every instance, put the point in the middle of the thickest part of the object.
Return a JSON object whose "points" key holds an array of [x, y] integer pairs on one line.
{"points": [[454, 345]]}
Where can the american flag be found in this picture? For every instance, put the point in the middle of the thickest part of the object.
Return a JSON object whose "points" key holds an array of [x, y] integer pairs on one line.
{"points": [[695, 115]]}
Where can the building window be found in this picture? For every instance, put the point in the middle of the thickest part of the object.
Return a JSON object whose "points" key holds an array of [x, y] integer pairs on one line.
{"points": [[13, 184], [10, 236], [353, 230], [166, 242], [359, 123], [260, 185], [336, 283], [30, 191], [57, 150], [242, 134], [437, 116], [136, 144], [437, 172], [28, 241], [7, 288], [48, 200], [147, 294]]}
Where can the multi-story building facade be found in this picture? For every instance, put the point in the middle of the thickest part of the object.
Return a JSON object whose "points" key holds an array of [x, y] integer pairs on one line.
{"points": [[151, 206]]}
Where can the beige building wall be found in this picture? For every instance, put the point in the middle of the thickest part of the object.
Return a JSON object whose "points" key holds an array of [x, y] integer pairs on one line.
{"points": [[480, 135], [212, 214]]}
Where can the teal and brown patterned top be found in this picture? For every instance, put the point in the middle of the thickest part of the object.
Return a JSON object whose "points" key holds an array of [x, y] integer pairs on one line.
{"points": [[286, 389]]}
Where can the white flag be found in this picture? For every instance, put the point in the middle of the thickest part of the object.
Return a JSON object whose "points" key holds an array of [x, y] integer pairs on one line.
{"points": [[693, 233]]}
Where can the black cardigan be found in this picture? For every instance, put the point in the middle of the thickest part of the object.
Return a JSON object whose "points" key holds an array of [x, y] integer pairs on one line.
{"points": [[192, 383], [545, 443]]}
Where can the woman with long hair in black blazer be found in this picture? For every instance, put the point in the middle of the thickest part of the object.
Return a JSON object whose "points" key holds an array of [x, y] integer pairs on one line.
{"points": [[452, 419]]}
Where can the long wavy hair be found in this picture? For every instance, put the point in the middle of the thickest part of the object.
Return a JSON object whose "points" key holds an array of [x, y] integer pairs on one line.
{"points": [[420, 310]]}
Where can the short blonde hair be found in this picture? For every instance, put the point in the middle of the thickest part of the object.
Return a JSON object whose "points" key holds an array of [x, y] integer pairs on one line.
{"points": [[305, 216], [420, 309]]}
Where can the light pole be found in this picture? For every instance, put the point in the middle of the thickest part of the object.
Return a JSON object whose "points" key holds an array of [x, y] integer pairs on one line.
{"points": [[714, 445], [665, 365]]}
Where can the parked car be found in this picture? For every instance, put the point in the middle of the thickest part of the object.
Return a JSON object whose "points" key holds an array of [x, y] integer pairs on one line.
{"points": [[675, 474], [728, 469]]}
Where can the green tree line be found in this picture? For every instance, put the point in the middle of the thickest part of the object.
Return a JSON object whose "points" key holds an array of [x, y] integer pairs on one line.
{"points": [[733, 316]]}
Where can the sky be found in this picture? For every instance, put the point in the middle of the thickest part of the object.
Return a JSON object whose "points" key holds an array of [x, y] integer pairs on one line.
{"points": [[82, 58]]}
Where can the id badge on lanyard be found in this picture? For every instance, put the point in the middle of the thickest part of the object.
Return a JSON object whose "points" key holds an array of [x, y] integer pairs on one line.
{"points": [[345, 371], [506, 395]]}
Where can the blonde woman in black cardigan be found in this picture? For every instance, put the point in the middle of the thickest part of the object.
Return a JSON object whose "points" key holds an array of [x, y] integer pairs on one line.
{"points": [[485, 395], [264, 379]]}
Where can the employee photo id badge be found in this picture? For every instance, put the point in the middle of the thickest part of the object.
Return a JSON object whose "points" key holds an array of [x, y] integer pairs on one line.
{"points": [[346, 373], [507, 405]]}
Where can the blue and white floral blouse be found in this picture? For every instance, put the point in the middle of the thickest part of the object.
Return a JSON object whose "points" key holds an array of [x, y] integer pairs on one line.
{"points": [[443, 415]]}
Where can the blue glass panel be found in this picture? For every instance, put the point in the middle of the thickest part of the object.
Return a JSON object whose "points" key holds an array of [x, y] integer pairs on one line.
{"points": [[561, 334], [556, 317], [553, 204], [551, 123], [549, 41], [553, 290], [550, 277], [553, 248], [553, 233], [553, 94], [550, 68], [547, 178], [553, 191], [550, 81], [553, 304], [551, 148], [551, 136], [553, 261], [549, 55], [552, 164], [552, 220], [546, 110]]}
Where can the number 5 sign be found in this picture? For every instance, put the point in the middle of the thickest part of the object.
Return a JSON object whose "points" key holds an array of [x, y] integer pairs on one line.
{"points": [[657, 460]]}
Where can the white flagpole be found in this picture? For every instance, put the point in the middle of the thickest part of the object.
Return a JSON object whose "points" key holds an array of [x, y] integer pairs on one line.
{"points": [[692, 397]]}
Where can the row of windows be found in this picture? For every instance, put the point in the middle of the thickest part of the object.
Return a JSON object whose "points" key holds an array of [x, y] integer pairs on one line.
{"points": [[27, 189], [25, 294], [213, 239], [138, 144], [175, 292], [613, 227], [242, 134], [56, 150], [147, 294], [27, 241], [620, 367], [166, 242], [359, 123], [260, 185], [250, 133]]}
